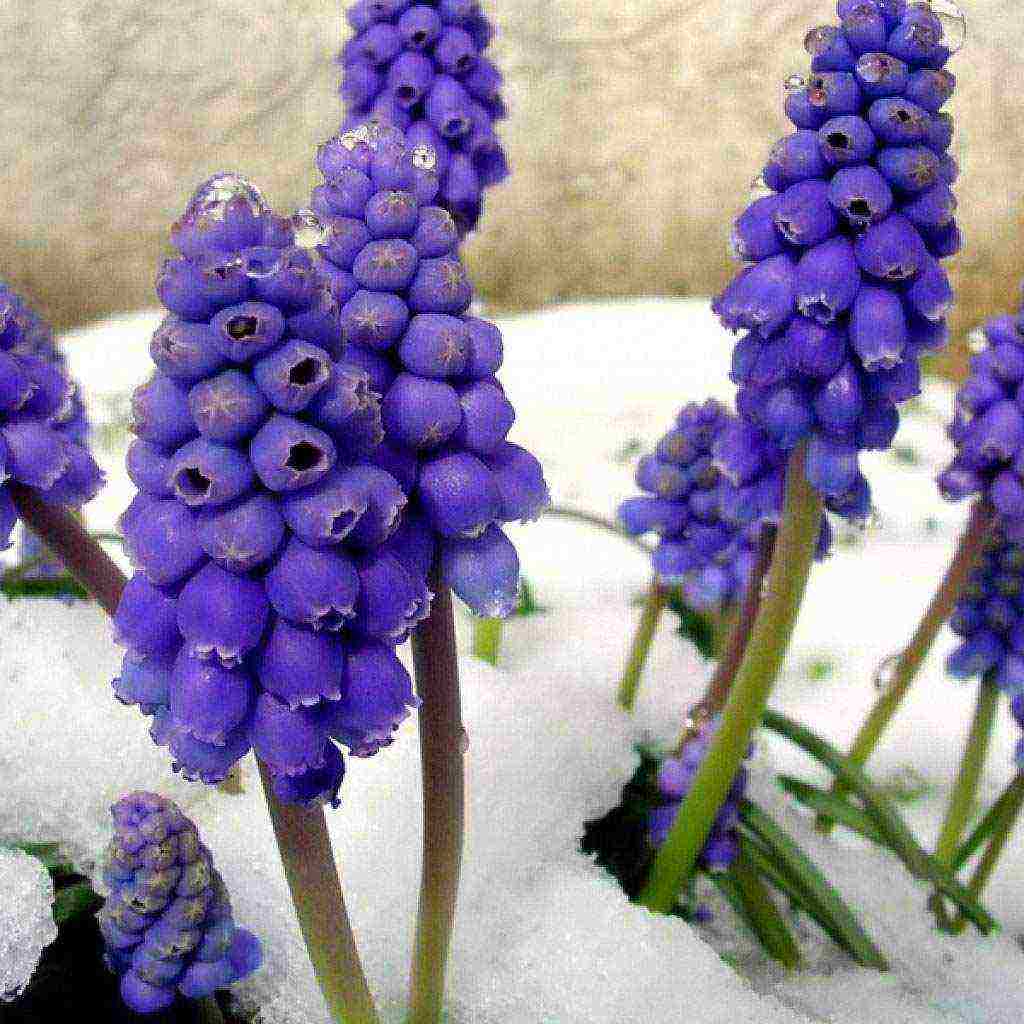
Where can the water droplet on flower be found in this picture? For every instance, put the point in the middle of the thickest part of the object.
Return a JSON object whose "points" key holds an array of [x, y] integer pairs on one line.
{"points": [[213, 197], [424, 158], [759, 188], [309, 230], [819, 39], [464, 742], [885, 672], [795, 83], [951, 18], [977, 341], [262, 263], [350, 140]]}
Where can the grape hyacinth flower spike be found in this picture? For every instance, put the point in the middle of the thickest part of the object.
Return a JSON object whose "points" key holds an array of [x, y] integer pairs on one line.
{"points": [[392, 255], [265, 607], [43, 434], [842, 292], [422, 68], [167, 923], [707, 520]]}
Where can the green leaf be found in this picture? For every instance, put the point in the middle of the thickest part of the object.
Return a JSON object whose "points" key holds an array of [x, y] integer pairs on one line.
{"points": [[48, 853], [74, 900], [816, 893], [742, 887], [988, 824], [884, 814], [693, 626], [15, 586], [528, 604], [835, 807]]}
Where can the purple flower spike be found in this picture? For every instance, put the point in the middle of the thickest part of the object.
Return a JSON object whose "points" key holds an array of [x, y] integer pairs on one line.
{"points": [[244, 535], [168, 923], [378, 696], [675, 779], [160, 413], [205, 475], [146, 620], [242, 333], [391, 599], [164, 543], [421, 413], [459, 495], [185, 352], [844, 291]]}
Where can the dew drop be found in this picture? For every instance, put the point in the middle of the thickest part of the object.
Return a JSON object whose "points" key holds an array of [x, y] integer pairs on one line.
{"points": [[424, 158], [977, 341], [819, 39], [310, 231], [951, 18], [759, 188], [213, 197], [885, 672], [795, 83]]}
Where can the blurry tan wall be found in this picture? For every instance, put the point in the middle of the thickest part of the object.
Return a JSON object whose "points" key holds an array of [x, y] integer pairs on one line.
{"points": [[636, 128]]}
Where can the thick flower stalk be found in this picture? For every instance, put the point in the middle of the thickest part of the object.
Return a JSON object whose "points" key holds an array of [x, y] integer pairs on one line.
{"points": [[274, 573], [167, 923], [421, 67], [404, 295], [844, 289], [42, 424], [675, 779]]}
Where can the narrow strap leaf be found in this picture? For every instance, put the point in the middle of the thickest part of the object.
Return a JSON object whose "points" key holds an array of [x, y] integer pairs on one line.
{"points": [[836, 808], [817, 891], [974, 842], [743, 888], [881, 809]]}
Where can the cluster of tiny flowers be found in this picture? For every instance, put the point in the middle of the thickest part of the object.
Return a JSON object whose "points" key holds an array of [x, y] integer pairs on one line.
{"points": [[675, 777], [988, 421], [844, 289], [43, 429], [404, 296], [420, 67], [705, 546], [275, 575], [989, 620], [167, 922], [711, 484]]}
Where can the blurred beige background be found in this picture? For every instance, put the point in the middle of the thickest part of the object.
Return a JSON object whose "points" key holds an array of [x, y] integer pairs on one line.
{"points": [[636, 128]]}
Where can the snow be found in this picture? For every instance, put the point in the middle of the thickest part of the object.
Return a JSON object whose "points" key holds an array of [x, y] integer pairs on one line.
{"points": [[26, 919], [542, 935]]}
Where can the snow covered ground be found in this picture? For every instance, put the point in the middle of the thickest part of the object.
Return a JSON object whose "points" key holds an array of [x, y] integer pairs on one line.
{"points": [[543, 937]]}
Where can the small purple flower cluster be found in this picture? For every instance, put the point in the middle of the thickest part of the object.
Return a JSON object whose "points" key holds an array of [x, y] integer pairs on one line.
{"points": [[988, 422], [43, 429], [420, 67], [707, 526], [167, 923], [393, 259], [844, 289], [675, 778], [275, 575], [989, 620], [711, 483]]}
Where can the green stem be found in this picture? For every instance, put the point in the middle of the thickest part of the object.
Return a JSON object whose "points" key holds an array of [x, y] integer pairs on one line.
{"points": [[302, 838], [968, 554], [308, 861], [1007, 820], [965, 789], [654, 606], [762, 914], [442, 748], [599, 522], [487, 639], [787, 580]]}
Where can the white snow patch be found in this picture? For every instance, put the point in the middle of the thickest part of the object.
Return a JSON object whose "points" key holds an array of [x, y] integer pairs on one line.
{"points": [[26, 919]]}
